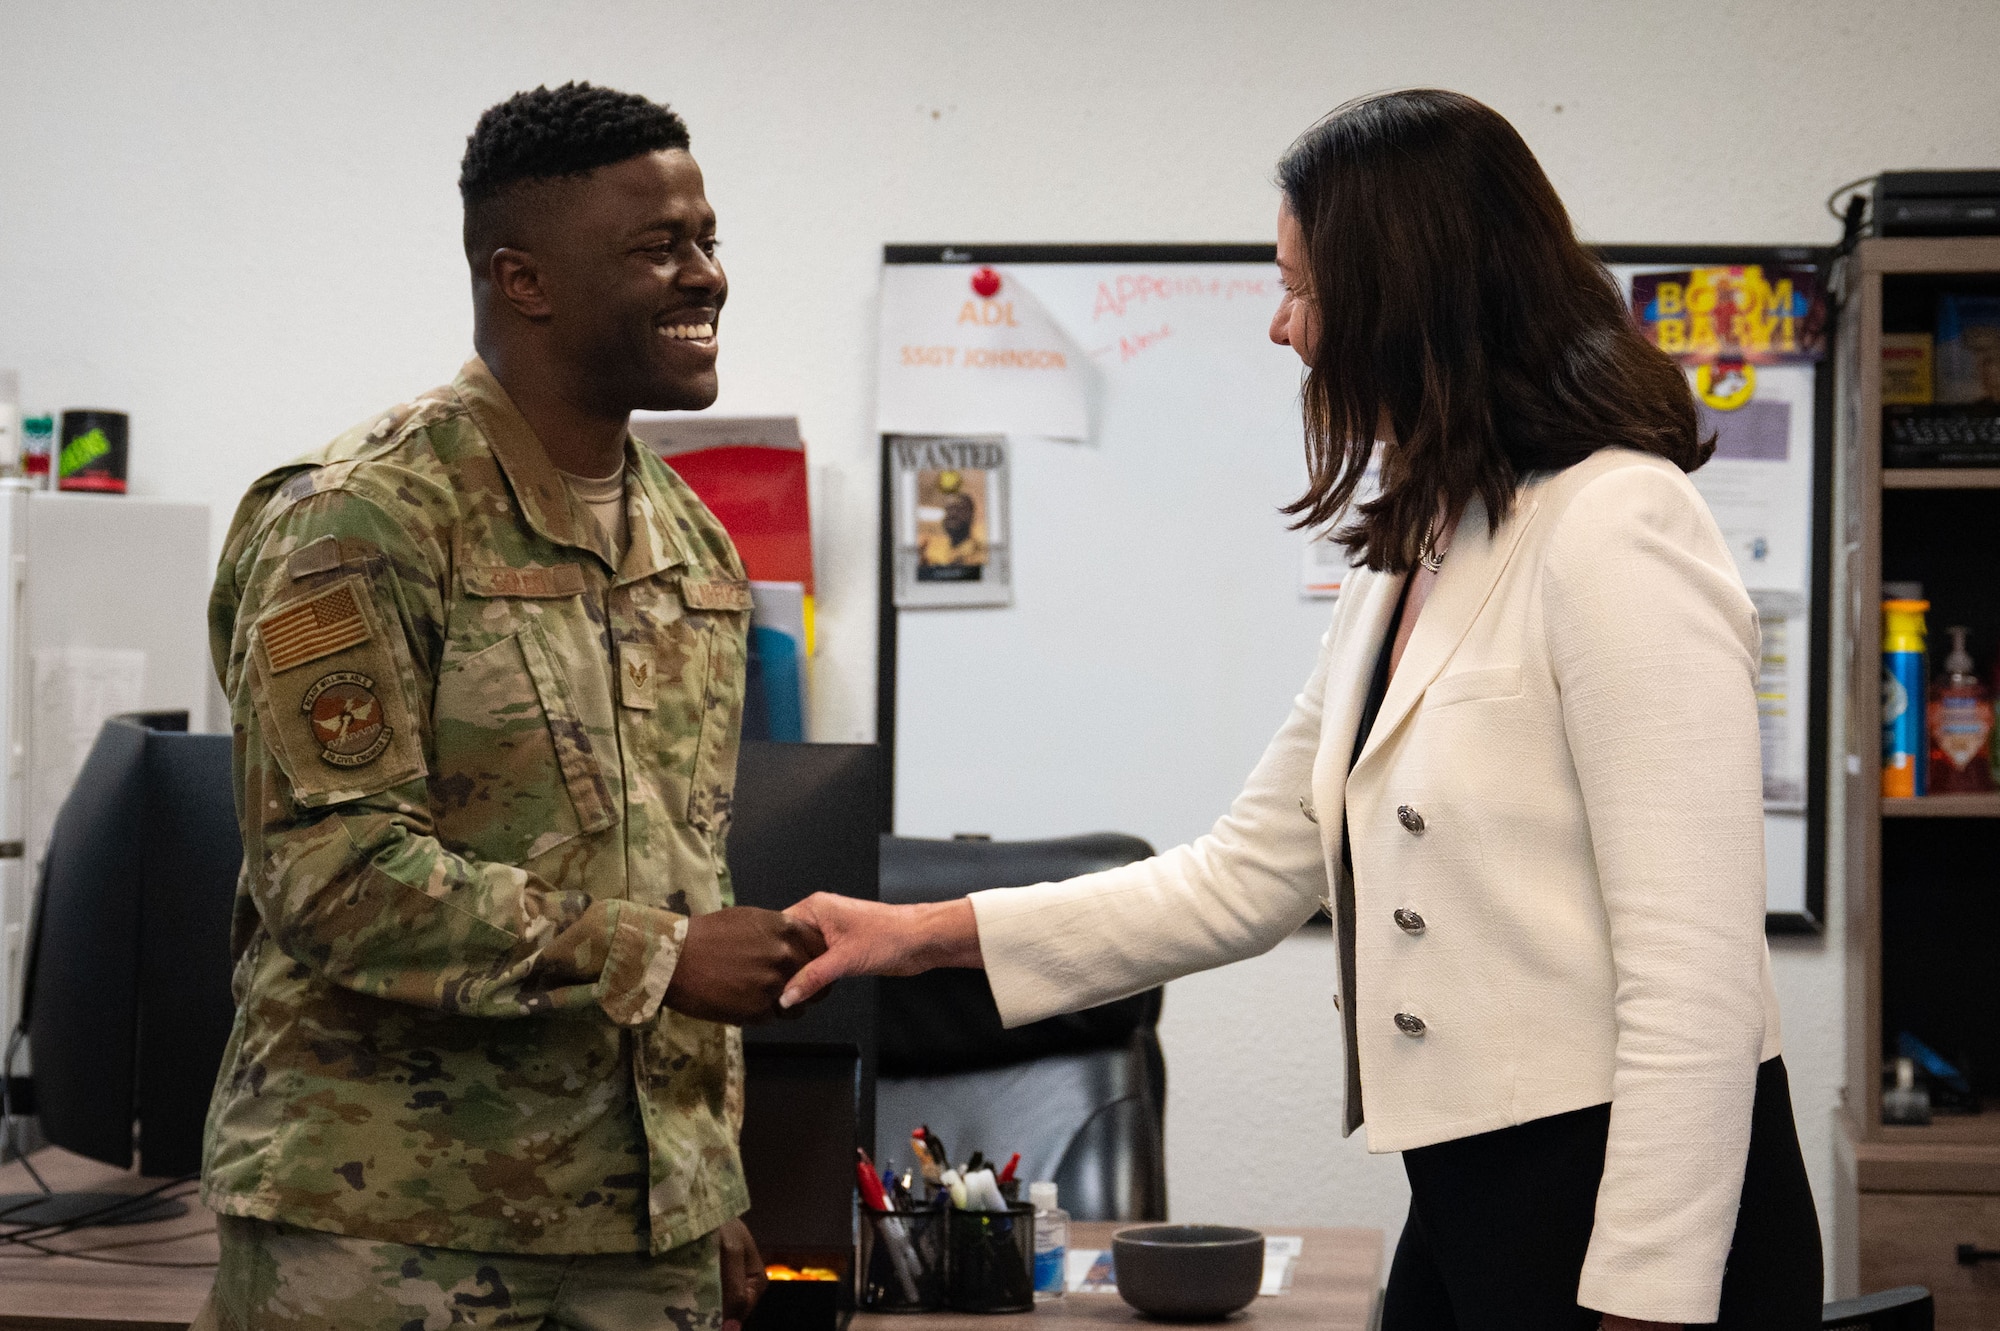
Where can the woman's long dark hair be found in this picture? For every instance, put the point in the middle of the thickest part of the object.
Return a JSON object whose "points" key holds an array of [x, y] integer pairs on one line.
{"points": [[1453, 299]]}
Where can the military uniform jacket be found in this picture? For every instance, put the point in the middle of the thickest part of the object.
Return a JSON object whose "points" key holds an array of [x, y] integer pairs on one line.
{"points": [[483, 778]]}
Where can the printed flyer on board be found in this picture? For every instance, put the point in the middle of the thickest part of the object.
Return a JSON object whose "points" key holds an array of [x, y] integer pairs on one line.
{"points": [[951, 498]]}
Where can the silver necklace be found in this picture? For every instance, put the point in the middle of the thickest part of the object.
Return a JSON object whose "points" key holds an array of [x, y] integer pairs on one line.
{"points": [[1428, 554]]}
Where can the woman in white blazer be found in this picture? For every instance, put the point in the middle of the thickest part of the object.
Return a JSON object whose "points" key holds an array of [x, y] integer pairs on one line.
{"points": [[1524, 777]]}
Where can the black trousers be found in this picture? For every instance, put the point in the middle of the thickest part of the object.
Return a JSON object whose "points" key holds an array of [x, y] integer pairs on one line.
{"points": [[1499, 1224]]}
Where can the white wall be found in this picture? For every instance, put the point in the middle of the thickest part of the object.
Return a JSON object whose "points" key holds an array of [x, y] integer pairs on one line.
{"points": [[238, 222]]}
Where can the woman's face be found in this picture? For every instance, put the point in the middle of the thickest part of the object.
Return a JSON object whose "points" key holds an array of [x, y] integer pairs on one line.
{"points": [[1296, 324]]}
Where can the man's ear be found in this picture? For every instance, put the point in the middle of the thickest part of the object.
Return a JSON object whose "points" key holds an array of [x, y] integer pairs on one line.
{"points": [[518, 276]]}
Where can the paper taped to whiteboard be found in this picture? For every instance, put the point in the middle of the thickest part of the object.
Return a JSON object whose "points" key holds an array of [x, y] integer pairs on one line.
{"points": [[955, 361]]}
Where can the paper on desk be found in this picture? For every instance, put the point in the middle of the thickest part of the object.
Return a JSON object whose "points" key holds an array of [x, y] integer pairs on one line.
{"points": [[1281, 1254], [1091, 1271]]}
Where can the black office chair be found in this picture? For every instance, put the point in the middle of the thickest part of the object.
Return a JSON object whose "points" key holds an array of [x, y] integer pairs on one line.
{"points": [[1082, 1097], [1905, 1308]]}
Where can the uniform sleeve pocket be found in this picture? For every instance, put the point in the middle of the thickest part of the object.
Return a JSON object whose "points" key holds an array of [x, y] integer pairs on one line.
{"points": [[329, 687], [1474, 686]]}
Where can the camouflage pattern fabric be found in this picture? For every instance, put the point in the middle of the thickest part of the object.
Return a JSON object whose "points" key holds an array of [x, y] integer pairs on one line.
{"points": [[483, 779], [279, 1276]]}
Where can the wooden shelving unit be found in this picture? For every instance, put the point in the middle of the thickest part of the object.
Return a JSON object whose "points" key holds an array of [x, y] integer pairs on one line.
{"points": [[1941, 478], [1986, 805], [1922, 908]]}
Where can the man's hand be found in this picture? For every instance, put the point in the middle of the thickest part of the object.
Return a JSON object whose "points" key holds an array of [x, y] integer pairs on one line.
{"points": [[743, 1278], [736, 961], [869, 938]]}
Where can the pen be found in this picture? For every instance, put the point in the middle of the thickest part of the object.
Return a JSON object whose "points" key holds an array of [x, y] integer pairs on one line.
{"points": [[893, 1236], [1013, 1163]]}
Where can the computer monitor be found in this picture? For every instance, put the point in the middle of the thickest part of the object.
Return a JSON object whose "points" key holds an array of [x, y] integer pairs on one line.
{"points": [[127, 1004]]}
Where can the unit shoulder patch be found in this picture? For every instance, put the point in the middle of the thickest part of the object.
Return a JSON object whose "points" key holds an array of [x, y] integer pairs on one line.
{"points": [[346, 717]]}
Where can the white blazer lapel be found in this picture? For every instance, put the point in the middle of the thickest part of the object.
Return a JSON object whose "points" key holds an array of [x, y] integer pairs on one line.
{"points": [[1349, 670], [1474, 564]]}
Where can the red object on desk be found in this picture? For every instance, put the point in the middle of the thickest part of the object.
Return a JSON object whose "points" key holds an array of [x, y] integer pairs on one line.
{"points": [[872, 1195]]}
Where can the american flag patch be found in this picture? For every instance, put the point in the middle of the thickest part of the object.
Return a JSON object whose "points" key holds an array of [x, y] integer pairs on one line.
{"points": [[313, 628]]}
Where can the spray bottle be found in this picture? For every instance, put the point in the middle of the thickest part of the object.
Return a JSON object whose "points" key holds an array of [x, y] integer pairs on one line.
{"points": [[1904, 689]]}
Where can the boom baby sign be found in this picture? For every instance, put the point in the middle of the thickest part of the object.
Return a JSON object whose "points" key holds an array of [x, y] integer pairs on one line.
{"points": [[1722, 323], [967, 349]]}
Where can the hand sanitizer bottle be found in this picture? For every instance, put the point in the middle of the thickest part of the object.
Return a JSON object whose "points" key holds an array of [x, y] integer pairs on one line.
{"points": [[1051, 1241], [1961, 724]]}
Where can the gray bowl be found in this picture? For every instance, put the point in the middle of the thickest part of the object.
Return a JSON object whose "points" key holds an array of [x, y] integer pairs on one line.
{"points": [[1188, 1273]]}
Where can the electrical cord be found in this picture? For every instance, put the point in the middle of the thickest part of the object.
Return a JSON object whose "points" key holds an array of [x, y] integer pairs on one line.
{"points": [[27, 1233], [1840, 214], [1856, 220], [7, 1140], [88, 1255]]}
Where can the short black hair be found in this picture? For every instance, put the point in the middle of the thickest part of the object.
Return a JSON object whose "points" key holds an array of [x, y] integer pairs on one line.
{"points": [[549, 135]]}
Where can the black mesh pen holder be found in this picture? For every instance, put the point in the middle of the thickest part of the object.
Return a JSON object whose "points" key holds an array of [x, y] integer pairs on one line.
{"points": [[902, 1261], [992, 1260]]}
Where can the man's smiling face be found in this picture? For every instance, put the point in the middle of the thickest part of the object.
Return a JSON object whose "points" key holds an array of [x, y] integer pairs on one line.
{"points": [[635, 292]]}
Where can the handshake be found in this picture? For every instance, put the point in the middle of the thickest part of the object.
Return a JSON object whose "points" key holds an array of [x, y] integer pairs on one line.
{"points": [[742, 965]]}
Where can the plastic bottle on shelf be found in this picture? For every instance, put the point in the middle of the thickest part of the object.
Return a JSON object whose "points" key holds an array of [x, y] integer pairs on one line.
{"points": [[38, 438], [1904, 689], [1906, 1102], [1961, 717], [1051, 1242]]}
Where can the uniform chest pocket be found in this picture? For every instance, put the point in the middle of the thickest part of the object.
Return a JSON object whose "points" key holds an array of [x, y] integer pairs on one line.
{"points": [[709, 643], [518, 771]]}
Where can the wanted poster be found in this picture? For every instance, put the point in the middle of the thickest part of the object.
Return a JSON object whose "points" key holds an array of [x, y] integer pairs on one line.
{"points": [[950, 496]]}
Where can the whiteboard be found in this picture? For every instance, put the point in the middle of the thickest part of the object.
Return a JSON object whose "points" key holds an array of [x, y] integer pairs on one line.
{"points": [[1158, 633]]}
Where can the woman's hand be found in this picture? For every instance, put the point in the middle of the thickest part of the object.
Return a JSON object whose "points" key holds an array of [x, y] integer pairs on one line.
{"points": [[1613, 1322], [869, 938]]}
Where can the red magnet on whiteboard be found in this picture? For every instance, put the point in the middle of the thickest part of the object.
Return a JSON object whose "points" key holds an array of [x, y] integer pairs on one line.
{"points": [[986, 284]]}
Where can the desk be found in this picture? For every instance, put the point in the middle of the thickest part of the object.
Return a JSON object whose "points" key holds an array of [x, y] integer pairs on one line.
{"points": [[1333, 1289], [1333, 1286], [43, 1293]]}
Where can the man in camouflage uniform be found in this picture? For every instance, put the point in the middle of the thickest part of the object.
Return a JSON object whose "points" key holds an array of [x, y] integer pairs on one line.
{"points": [[485, 659]]}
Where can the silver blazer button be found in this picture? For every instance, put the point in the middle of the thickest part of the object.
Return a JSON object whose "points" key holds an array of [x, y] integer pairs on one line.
{"points": [[1307, 810], [1412, 821], [1412, 1026], [1409, 921]]}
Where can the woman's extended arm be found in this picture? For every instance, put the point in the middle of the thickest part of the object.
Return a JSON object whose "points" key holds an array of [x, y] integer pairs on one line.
{"points": [[1057, 947]]}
